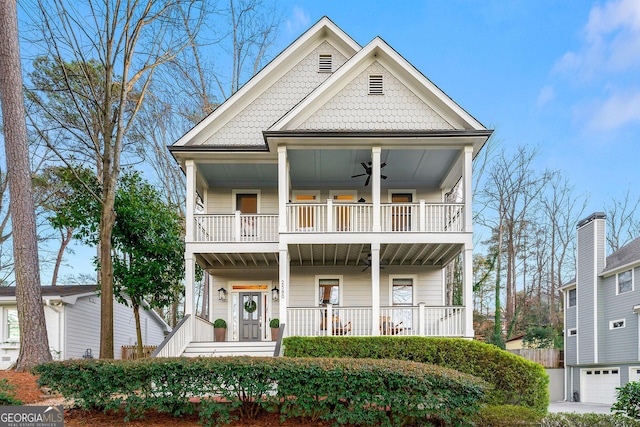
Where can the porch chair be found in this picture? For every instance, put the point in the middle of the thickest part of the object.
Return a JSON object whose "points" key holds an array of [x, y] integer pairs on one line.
{"points": [[388, 328], [337, 328]]}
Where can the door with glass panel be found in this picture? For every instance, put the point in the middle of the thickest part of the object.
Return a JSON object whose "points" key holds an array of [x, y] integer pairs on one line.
{"points": [[250, 316], [401, 215], [247, 204]]}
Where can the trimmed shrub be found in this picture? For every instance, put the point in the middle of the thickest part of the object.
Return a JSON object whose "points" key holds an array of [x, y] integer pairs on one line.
{"points": [[515, 381], [587, 420], [628, 400], [345, 391], [507, 416]]}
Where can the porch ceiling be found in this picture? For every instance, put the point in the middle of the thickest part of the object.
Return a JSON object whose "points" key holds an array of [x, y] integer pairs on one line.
{"points": [[334, 167], [339, 255]]}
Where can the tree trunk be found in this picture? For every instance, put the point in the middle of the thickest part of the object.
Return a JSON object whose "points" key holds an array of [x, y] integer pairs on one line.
{"points": [[136, 315], [34, 344], [66, 236]]}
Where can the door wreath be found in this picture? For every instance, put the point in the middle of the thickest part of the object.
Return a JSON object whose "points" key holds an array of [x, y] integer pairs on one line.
{"points": [[250, 306]]}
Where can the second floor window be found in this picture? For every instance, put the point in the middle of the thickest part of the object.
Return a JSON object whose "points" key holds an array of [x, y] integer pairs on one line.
{"points": [[573, 297], [625, 281]]}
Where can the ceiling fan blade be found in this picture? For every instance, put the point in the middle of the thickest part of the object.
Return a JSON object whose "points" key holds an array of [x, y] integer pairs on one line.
{"points": [[383, 165], [365, 269], [364, 165], [367, 181], [383, 176], [355, 176]]}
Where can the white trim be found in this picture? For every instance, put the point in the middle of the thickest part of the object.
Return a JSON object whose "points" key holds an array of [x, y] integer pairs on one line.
{"points": [[234, 197], [617, 324], [414, 287], [340, 278], [618, 281], [594, 260], [266, 310]]}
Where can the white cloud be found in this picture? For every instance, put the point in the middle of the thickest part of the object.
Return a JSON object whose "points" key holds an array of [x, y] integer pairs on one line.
{"points": [[546, 95], [298, 21], [611, 41], [618, 110]]}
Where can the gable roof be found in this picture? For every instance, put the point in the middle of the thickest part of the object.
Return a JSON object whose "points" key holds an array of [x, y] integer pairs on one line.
{"points": [[379, 51], [322, 30], [627, 255]]}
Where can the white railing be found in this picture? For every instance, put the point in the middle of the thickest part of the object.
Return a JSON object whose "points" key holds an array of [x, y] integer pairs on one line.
{"points": [[236, 228], [423, 217], [176, 342], [357, 321], [203, 330]]}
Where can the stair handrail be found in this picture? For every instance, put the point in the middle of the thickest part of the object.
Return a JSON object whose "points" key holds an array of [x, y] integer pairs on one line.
{"points": [[170, 336]]}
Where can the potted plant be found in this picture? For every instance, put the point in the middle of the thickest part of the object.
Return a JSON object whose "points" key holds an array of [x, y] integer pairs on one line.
{"points": [[220, 329], [275, 328]]}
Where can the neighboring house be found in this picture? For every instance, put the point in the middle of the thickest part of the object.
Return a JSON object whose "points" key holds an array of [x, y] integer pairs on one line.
{"points": [[602, 345], [515, 343], [335, 189], [73, 323]]}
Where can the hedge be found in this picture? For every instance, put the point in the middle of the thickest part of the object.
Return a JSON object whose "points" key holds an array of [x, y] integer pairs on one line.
{"points": [[515, 381], [344, 391]]}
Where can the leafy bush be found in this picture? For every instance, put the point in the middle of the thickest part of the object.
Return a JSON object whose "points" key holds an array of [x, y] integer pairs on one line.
{"points": [[587, 420], [345, 391], [507, 416], [8, 394], [515, 381], [628, 400], [274, 323], [220, 323]]}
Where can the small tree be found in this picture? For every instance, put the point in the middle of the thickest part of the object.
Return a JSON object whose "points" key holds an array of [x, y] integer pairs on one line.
{"points": [[149, 261]]}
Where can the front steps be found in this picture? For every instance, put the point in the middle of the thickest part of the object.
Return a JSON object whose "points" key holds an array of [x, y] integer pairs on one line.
{"points": [[230, 348]]}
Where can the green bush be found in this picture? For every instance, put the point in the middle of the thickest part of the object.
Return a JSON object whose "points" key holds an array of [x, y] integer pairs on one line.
{"points": [[587, 420], [344, 391], [220, 323], [628, 400], [8, 394], [514, 380], [507, 416], [274, 323]]}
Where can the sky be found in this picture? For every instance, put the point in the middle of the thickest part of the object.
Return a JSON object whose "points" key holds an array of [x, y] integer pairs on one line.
{"points": [[563, 76]]}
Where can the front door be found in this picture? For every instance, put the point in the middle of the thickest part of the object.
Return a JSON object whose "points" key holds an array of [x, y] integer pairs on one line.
{"points": [[250, 316]]}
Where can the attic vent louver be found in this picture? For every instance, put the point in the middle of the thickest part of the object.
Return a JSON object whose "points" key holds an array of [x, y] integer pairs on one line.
{"points": [[325, 63], [375, 85]]}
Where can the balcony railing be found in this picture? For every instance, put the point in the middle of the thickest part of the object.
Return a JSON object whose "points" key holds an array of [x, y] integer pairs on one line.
{"points": [[331, 218], [357, 321]]}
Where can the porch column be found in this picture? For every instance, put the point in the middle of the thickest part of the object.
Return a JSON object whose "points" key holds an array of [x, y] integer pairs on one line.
{"points": [[189, 273], [468, 292], [375, 289], [467, 184], [283, 188], [283, 303], [190, 167], [375, 188]]}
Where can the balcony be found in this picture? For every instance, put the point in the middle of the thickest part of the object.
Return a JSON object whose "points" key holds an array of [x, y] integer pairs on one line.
{"points": [[331, 218], [417, 320]]}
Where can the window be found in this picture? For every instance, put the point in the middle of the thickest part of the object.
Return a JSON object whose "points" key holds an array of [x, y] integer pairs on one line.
{"points": [[402, 292], [13, 331], [402, 300], [616, 324], [325, 63], [625, 281], [573, 332], [306, 211], [329, 291], [573, 295], [401, 215], [376, 85]]}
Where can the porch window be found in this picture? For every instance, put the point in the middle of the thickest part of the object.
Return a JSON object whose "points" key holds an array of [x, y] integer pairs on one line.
{"points": [[329, 291], [401, 215], [247, 204], [625, 281], [343, 213], [13, 330], [306, 214]]}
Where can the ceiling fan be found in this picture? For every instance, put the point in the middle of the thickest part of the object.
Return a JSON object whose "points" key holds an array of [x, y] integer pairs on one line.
{"points": [[367, 171], [367, 261]]}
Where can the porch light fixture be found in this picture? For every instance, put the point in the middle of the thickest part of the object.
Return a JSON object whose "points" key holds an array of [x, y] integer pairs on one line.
{"points": [[222, 294], [275, 294]]}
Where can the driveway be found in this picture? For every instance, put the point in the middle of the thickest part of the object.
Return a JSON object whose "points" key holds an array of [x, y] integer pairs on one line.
{"points": [[579, 407]]}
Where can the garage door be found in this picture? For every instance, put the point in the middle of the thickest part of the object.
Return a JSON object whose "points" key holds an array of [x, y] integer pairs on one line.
{"points": [[634, 373], [599, 385]]}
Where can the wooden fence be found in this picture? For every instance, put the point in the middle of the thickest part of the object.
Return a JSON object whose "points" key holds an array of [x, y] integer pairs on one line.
{"points": [[547, 357], [130, 352]]}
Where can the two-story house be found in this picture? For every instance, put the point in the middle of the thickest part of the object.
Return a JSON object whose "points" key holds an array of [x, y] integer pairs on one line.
{"points": [[335, 188], [602, 343]]}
